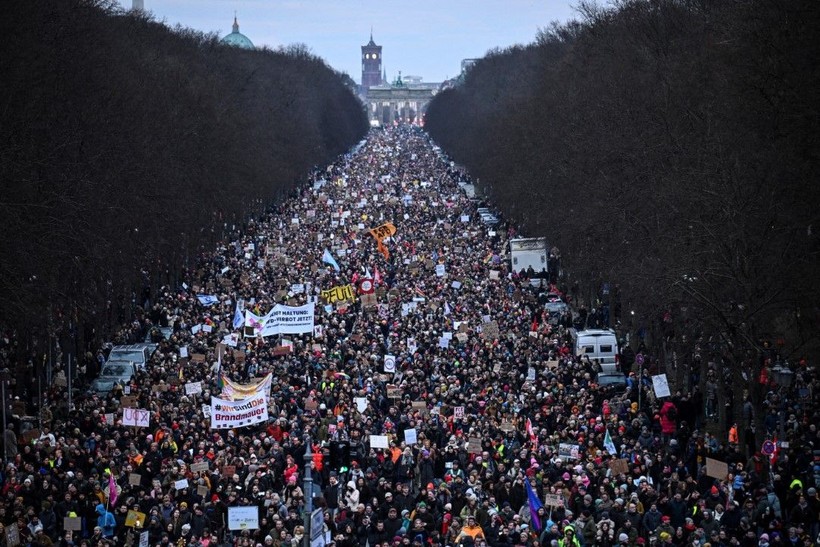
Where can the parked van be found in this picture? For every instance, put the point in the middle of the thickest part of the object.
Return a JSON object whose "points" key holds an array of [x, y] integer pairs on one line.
{"points": [[597, 344]]}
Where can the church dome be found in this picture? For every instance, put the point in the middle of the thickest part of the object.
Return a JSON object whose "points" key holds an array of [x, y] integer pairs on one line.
{"points": [[236, 38]]}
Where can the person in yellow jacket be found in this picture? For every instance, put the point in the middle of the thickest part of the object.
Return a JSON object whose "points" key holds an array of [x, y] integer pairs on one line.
{"points": [[569, 538]]}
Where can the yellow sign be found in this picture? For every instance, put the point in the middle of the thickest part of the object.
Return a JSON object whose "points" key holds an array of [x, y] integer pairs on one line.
{"points": [[135, 519], [338, 294]]}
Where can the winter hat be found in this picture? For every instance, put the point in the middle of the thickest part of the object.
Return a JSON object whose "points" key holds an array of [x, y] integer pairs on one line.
{"points": [[623, 538]]}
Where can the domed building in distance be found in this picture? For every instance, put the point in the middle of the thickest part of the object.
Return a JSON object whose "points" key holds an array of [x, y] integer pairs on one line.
{"points": [[236, 38]]}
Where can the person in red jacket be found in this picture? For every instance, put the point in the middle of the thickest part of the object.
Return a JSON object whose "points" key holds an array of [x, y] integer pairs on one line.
{"points": [[669, 420]]}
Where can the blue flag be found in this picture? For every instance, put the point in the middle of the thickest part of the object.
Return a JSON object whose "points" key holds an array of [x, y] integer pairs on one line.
{"points": [[238, 315], [535, 504], [327, 258], [207, 299]]}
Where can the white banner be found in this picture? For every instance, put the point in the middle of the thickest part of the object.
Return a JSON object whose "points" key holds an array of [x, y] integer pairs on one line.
{"points": [[243, 518], [229, 414], [289, 320]]}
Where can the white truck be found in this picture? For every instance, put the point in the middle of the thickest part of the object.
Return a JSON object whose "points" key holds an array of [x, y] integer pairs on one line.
{"points": [[530, 252], [597, 344]]}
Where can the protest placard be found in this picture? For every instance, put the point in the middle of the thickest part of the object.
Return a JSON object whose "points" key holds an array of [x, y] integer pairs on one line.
{"points": [[379, 441], [716, 469]]}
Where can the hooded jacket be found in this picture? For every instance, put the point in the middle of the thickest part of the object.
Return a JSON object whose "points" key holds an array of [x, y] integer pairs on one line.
{"points": [[105, 520]]}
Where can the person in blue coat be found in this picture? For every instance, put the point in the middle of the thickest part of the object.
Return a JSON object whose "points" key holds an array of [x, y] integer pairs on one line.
{"points": [[105, 520]]}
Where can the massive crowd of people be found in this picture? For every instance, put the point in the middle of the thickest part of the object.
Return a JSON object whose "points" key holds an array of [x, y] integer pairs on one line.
{"points": [[486, 396]]}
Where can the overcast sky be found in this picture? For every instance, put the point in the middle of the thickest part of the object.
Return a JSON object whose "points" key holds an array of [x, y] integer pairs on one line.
{"points": [[426, 38]]}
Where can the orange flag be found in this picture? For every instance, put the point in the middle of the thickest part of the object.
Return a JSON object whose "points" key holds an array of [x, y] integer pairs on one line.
{"points": [[379, 233]]}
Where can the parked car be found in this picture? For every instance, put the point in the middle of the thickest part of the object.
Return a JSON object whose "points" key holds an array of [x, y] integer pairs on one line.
{"points": [[612, 384], [113, 373], [136, 353], [157, 334]]}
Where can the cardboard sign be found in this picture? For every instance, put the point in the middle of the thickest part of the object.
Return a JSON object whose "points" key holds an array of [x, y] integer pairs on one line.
{"points": [[181, 484], [228, 470], [393, 391], [619, 466], [135, 519], [128, 401], [410, 436], [199, 467], [421, 406], [458, 412], [280, 351], [716, 469], [197, 358], [193, 388], [489, 330], [72, 523], [554, 500], [474, 445], [202, 490], [134, 479]]}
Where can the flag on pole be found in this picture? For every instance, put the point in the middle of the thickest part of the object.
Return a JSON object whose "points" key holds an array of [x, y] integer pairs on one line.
{"points": [[112, 489], [447, 310], [238, 315], [531, 433], [535, 504], [609, 446], [327, 258], [207, 299]]}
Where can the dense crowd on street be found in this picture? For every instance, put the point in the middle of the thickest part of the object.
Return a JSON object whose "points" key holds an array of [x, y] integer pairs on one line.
{"points": [[471, 413]]}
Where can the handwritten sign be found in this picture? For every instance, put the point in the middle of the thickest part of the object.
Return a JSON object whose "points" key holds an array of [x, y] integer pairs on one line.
{"points": [[554, 500], [199, 467], [661, 386], [243, 518], [136, 417]]}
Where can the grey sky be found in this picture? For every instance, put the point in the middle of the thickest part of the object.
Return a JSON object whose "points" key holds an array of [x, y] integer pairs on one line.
{"points": [[426, 38]]}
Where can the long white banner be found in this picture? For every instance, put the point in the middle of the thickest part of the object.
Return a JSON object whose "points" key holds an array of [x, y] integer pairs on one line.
{"points": [[227, 414], [289, 320]]}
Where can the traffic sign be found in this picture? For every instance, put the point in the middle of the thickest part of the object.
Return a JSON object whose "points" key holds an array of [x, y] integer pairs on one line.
{"points": [[768, 447], [639, 359]]}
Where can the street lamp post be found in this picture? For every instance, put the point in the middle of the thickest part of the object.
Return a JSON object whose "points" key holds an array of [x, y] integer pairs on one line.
{"points": [[4, 377], [783, 377], [308, 487]]}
